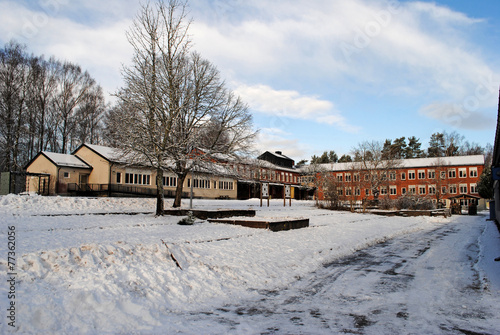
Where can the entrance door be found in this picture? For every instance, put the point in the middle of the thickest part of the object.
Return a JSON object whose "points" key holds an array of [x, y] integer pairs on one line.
{"points": [[84, 181]]}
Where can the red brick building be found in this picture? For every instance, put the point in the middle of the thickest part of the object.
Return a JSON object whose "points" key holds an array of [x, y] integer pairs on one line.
{"points": [[444, 180]]}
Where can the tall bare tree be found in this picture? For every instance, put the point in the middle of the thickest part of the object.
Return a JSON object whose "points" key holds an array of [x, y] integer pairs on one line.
{"points": [[73, 85], [13, 81], [175, 112]]}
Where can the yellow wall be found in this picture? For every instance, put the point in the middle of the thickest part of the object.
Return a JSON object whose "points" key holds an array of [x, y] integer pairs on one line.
{"points": [[43, 165], [100, 171], [58, 182], [210, 193]]}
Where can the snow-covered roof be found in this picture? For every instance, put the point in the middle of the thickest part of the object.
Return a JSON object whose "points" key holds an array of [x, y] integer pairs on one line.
{"points": [[444, 161], [66, 160], [405, 163], [111, 154]]}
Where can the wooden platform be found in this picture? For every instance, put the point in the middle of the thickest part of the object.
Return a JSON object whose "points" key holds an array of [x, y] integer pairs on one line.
{"points": [[271, 225], [211, 214]]}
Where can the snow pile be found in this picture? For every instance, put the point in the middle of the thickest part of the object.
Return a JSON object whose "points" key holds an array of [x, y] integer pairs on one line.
{"points": [[114, 273]]}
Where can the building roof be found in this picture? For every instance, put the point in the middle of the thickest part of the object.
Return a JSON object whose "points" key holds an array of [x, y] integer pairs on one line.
{"points": [[111, 154], [65, 160], [444, 161], [408, 163]]}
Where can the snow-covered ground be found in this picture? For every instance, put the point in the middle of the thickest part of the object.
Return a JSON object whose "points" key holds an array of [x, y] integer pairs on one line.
{"points": [[80, 270]]}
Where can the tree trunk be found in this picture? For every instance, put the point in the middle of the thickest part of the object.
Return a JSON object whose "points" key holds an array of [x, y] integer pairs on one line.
{"points": [[159, 192], [178, 191]]}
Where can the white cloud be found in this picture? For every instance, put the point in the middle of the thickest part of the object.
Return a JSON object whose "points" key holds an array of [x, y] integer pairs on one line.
{"points": [[378, 45], [458, 116], [291, 104], [274, 139]]}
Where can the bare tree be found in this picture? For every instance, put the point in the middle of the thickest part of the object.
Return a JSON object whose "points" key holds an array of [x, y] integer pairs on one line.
{"points": [[374, 171], [73, 85], [175, 110], [43, 80], [13, 81]]}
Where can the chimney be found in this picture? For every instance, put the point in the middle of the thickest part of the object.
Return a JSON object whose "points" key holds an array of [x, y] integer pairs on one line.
{"points": [[278, 152]]}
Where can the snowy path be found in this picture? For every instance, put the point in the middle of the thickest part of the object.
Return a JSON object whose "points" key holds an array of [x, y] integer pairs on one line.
{"points": [[407, 285]]}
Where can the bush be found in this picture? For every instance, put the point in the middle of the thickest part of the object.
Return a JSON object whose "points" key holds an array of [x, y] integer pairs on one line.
{"points": [[414, 203], [387, 203]]}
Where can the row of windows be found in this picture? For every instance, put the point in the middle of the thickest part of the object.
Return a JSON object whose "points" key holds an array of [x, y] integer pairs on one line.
{"points": [[145, 179], [420, 189], [413, 174], [134, 178]]}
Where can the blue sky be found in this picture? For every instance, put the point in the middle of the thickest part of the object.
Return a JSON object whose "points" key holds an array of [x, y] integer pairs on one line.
{"points": [[318, 75]]}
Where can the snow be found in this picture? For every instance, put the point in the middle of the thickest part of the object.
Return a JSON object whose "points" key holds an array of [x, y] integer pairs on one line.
{"points": [[415, 162], [83, 268], [65, 160]]}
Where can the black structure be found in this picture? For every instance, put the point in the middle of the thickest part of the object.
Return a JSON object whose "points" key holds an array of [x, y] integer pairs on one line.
{"points": [[277, 158], [495, 170]]}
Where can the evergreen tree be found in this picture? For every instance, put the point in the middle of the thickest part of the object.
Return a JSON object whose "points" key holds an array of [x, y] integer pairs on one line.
{"points": [[413, 148], [345, 159], [436, 145], [485, 184]]}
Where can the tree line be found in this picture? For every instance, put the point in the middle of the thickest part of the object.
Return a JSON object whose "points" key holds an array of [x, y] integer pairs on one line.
{"points": [[45, 105], [440, 145]]}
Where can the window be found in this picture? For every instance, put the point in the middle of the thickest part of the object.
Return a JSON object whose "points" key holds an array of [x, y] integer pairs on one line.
{"points": [[462, 172], [118, 178], [383, 190], [421, 174], [367, 191], [200, 183], [347, 177], [443, 189], [356, 177], [473, 172], [137, 179], [452, 173], [412, 190], [226, 185], [411, 175], [453, 189], [393, 190], [169, 181], [432, 189], [339, 178], [421, 189], [403, 190], [431, 174], [358, 191], [403, 176], [443, 174], [66, 174], [348, 191], [340, 191], [473, 188], [463, 188], [392, 175]]}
